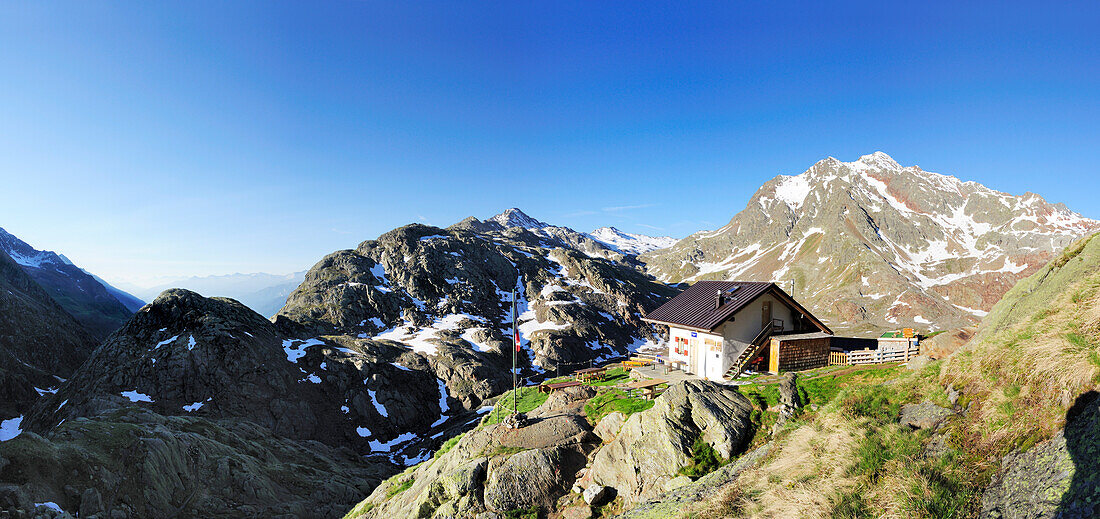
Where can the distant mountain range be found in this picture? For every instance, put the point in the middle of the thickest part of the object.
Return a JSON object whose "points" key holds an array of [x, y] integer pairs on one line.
{"points": [[871, 245], [265, 293], [628, 243]]}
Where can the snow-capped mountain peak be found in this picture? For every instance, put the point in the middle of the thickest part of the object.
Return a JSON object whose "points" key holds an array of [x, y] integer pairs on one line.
{"points": [[629, 243], [878, 245], [515, 218]]}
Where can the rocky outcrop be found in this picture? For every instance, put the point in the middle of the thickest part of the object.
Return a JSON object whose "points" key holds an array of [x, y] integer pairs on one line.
{"points": [[653, 445], [495, 469], [135, 463], [680, 496], [946, 343], [924, 415], [871, 245], [1058, 478], [789, 400], [190, 380]]}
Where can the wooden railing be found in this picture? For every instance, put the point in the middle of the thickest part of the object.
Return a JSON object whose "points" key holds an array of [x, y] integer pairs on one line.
{"points": [[762, 339], [884, 353], [838, 357]]}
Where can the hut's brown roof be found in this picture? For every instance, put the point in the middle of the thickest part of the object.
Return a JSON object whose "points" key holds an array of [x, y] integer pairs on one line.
{"points": [[695, 307]]}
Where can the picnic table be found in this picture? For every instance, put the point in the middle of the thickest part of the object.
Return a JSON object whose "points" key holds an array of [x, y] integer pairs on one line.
{"points": [[550, 388], [648, 387], [637, 363], [588, 374]]}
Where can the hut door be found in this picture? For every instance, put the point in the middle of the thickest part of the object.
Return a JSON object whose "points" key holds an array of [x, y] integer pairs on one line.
{"points": [[766, 314]]}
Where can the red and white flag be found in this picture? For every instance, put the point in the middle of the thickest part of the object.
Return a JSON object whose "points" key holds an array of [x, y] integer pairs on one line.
{"points": [[515, 335]]}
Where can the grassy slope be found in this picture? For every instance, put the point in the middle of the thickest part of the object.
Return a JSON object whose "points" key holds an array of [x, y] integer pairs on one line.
{"points": [[1034, 353]]}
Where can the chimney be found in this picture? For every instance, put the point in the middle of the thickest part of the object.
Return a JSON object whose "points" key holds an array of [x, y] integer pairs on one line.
{"points": [[718, 300]]}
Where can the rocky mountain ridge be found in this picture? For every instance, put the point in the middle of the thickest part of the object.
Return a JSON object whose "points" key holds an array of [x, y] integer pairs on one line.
{"points": [[97, 309], [429, 288], [872, 245], [629, 243]]}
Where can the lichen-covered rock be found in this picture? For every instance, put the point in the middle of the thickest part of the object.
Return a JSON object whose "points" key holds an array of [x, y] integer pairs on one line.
{"points": [[495, 469], [1058, 478], [609, 426], [924, 415], [789, 400], [528, 478], [653, 445], [597, 495], [681, 492]]}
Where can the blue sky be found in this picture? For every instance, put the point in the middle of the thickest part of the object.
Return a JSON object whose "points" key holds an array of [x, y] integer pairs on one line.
{"points": [[209, 137]]}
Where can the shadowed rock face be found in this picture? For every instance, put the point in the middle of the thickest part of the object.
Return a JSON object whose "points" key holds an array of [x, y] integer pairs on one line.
{"points": [[653, 445], [202, 405], [133, 463], [1057, 478], [38, 340], [184, 349]]}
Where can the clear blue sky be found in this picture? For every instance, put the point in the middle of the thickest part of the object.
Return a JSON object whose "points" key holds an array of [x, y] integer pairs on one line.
{"points": [[216, 137]]}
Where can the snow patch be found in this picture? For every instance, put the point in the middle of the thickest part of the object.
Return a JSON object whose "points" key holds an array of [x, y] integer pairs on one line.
{"points": [[296, 348], [196, 406], [10, 428], [443, 406], [134, 396], [378, 405], [166, 341], [377, 446]]}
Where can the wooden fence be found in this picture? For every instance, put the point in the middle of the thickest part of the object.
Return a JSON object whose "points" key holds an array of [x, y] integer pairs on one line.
{"points": [[884, 353]]}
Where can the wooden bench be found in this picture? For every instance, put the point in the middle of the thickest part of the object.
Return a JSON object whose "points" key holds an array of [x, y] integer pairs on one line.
{"points": [[590, 374], [648, 387], [550, 388]]}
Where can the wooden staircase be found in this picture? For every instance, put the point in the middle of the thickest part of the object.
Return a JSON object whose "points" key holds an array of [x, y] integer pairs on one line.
{"points": [[762, 339]]}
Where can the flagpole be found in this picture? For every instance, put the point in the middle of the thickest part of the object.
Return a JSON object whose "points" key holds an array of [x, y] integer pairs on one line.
{"points": [[515, 350]]}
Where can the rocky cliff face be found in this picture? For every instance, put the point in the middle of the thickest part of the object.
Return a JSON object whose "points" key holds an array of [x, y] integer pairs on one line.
{"points": [[40, 343], [872, 245], [98, 310], [448, 293]]}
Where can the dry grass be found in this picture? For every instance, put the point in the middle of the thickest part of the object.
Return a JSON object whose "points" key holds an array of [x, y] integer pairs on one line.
{"points": [[810, 465], [1023, 379]]}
